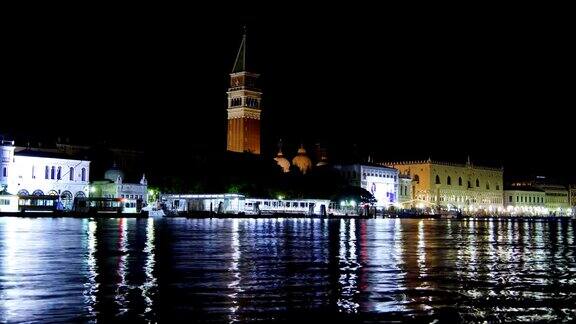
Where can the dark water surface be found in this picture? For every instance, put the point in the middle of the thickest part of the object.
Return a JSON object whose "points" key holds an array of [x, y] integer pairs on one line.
{"points": [[238, 270]]}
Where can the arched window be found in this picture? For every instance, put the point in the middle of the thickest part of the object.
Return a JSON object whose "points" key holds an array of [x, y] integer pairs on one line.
{"points": [[416, 178], [80, 194], [487, 186], [52, 193], [4, 172], [469, 184], [23, 192], [497, 187], [38, 193], [449, 181], [459, 181], [52, 173], [59, 173], [83, 174], [71, 174], [477, 183], [46, 172], [437, 179]]}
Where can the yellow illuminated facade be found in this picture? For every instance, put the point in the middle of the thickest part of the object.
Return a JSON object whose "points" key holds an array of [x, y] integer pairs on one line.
{"points": [[573, 196], [450, 185]]}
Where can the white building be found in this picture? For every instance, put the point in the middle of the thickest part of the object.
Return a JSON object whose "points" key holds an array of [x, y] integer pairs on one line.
{"points": [[380, 181], [30, 172], [135, 195]]}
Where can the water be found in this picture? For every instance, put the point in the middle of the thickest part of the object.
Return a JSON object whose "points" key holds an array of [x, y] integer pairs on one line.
{"points": [[240, 270]]}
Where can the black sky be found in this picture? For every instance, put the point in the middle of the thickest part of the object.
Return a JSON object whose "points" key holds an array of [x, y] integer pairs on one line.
{"points": [[489, 82]]}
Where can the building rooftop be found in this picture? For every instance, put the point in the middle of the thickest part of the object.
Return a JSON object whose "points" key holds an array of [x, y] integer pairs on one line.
{"points": [[47, 154], [436, 162], [369, 164], [522, 188]]}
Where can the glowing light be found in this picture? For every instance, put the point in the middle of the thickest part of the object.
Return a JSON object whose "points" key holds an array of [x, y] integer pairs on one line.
{"points": [[352, 203], [280, 197]]}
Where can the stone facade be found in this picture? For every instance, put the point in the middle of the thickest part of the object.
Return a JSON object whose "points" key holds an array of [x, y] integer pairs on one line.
{"points": [[464, 186], [405, 197]]}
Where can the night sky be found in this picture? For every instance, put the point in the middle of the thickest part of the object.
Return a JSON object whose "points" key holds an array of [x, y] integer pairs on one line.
{"points": [[397, 84]]}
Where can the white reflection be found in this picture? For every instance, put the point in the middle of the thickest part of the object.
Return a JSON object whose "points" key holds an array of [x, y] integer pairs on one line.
{"points": [[22, 255], [122, 266], [234, 285], [421, 249], [150, 283], [471, 250], [348, 267], [91, 287]]}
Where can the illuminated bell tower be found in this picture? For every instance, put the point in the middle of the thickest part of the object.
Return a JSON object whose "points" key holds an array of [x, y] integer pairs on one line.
{"points": [[243, 106]]}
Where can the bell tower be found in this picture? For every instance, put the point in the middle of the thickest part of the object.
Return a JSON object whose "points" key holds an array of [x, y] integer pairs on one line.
{"points": [[243, 106]]}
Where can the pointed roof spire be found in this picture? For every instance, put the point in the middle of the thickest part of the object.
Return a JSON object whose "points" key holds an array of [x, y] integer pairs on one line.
{"points": [[240, 63]]}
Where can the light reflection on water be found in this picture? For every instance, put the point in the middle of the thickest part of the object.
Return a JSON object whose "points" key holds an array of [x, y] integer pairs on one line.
{"points": [[238, 270]]}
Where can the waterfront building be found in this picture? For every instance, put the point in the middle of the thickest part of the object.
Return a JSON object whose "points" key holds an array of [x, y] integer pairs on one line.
{"points": [[31, 172], [557, 196], [135, 195], [466, 187], [380, 181], [573, 196], [524, 200], [244, 107]]}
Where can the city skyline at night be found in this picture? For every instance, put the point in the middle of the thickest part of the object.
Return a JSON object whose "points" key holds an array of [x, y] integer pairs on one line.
{"points": [[409, 87]]}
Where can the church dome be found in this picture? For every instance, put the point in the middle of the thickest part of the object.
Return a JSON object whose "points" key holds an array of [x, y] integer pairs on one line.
{"points": [[113, 173], [302, 161], [282, 162]]}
